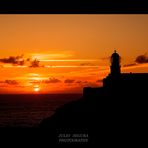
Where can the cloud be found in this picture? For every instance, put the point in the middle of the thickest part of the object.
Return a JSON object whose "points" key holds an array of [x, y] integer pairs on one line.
{"points": [[81, 82], [78, 81], [11, 82], [90, 84], [69, 81], [98, 81], [141, 59], [18, 60], [86, 64], [105, 58], [34, 63], [129, 65], [52, 80]]}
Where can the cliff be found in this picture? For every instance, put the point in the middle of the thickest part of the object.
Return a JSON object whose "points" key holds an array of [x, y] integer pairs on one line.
{"points": [[99, 117]]}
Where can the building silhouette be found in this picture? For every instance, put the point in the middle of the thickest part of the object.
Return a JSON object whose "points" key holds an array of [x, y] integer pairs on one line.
{"points": [[119, 84], [118, 109]]}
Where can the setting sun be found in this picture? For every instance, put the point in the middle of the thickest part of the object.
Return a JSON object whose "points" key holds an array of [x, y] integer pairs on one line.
{"points": [[36, 88]]}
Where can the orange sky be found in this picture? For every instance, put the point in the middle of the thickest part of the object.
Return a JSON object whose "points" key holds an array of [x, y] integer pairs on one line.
{"points": [[73, 50]]}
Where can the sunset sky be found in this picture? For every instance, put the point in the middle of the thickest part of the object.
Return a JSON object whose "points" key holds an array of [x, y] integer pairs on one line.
{"points": [[63, 53]]}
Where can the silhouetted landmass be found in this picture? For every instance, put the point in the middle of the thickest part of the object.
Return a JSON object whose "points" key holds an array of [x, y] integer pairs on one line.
{"points": [[116, 111]]}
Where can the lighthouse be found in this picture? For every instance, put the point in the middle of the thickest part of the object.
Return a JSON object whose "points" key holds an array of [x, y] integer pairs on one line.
{"points": [[115, 65]]}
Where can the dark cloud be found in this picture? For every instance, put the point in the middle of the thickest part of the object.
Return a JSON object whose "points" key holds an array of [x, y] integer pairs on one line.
{"points": [[141, 59], [69, 81], [128, 65], [52, 80], [11, 82], [86, 64], [79, 81], [34, 63], [90, 84], [105, 58], [98, 81], [14, 83], [18, 60]]}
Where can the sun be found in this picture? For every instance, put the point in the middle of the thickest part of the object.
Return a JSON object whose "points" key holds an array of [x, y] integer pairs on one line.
{"points": [[36, 88]]}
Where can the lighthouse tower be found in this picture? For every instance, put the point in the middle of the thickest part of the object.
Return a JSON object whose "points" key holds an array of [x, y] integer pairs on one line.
{"points": [[115, 65]]}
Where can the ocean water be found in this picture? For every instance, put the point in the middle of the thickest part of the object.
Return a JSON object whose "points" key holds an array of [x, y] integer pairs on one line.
{"points": [[30, 110]]}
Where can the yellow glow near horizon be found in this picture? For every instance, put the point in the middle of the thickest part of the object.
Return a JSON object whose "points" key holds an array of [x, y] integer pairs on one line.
{"points": [[36, 88]]}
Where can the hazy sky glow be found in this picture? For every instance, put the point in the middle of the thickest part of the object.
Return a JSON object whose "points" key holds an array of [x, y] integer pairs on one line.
{"points": [[73, 50]]}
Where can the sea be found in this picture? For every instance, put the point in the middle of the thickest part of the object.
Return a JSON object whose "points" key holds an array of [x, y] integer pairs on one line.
{"points": [[28, 110]]}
